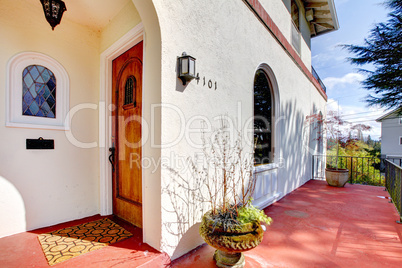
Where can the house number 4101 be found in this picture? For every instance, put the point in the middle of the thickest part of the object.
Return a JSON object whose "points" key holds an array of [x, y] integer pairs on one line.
{"points": [[208, 83]]}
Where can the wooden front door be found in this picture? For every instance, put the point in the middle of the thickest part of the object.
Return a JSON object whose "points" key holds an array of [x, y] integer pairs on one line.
{"points": [[127, 98]]}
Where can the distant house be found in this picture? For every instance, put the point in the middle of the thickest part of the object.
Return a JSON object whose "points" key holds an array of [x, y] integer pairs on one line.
{"points": [[391, 134]]}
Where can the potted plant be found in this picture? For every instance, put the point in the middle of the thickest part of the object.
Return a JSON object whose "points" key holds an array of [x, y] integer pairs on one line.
{"points": [[232, 232], [232, 225], [334, 175]]}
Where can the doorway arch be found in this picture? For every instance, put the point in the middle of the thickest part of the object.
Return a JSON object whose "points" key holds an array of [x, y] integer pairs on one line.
{"points": [[148, 31]]}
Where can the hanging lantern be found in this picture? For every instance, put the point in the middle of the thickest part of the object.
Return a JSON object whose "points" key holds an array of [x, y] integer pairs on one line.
{"points": [[54, 10]]}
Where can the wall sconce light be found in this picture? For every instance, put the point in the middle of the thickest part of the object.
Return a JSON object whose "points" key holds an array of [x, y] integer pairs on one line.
{"points": [[186, 65], [54, 10]]}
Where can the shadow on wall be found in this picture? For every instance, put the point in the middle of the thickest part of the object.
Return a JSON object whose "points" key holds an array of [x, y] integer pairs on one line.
{"points": [[312, 140], [190, 240], [12, 209], [187, 208], [184, 203], [293, 146], [179, 86]]}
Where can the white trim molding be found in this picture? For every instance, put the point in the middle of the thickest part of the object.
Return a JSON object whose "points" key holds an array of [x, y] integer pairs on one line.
{"points": [[131, 38], [14, 117]]}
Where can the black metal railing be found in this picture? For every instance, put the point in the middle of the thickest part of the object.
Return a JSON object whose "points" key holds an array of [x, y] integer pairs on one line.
{"points": [[393, 181], [316, 76], [362, 170]]}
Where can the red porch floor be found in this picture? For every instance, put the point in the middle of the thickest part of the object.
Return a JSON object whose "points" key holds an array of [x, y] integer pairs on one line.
{"points": [[314, 226]]}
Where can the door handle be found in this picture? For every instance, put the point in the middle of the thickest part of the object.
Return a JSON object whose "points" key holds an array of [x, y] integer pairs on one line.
{"points": [[112, 151]]}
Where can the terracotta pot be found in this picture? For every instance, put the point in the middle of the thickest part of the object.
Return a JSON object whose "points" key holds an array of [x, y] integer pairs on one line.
{"points": [[231, 242], [336, 177]]}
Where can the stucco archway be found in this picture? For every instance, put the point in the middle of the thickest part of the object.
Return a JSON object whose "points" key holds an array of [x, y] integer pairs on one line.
{"points": [[149, 31]]}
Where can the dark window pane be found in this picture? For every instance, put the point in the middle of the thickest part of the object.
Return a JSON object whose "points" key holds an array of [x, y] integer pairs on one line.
{"points": [[262, 119], [129, 91]]}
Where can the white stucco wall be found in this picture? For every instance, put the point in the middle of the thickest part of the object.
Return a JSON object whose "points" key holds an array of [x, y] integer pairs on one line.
{"points": [[279, 12], [229, 43], [67, 187], [124, 21], [57, 185], [46, 187], [305, 48]]}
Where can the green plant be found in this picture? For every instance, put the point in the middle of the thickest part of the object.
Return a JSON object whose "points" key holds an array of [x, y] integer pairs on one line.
{"points": [[250, 213]]}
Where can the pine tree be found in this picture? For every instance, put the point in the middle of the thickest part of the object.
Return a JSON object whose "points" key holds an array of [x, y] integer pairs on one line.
{"points": [[370, 141], [383, 49]]}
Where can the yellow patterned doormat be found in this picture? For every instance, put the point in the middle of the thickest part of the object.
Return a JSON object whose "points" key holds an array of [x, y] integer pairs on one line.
{"points": [[73, 241]]}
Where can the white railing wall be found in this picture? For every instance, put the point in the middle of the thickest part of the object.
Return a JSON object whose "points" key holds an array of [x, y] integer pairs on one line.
{"points": [[266, 188]]}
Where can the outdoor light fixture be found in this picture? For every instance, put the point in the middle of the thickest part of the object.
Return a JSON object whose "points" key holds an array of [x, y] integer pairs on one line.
{"points": [[186, 68], [54, 10]]}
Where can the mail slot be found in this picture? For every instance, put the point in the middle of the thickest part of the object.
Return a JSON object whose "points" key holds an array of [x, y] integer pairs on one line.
{"points": [[40, 144]]}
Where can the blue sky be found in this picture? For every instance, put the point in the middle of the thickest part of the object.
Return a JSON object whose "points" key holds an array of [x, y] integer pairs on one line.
{"points": [[356, 18]]}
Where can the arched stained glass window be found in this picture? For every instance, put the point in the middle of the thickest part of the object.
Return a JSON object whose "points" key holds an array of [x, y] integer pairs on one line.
{"points": [[130, 88], [263, 113], [38, 92]]}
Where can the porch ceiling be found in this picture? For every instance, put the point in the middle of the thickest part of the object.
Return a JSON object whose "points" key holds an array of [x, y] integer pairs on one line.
{"points": [[321, 15], [94, 14]]}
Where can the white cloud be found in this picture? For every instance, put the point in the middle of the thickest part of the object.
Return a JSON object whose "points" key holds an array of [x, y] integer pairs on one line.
{"points": [[333, 105], [350, 78]]}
